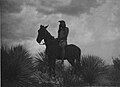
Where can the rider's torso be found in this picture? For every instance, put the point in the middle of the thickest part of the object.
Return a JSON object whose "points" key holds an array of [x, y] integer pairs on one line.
{"points": [[62, 34]]}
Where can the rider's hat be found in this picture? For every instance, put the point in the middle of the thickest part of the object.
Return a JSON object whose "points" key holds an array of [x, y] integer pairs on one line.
{"points": [[61, 21]]}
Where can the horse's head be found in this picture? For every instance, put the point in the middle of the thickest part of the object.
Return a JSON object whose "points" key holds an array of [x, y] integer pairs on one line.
{"points": [[41, 33]]}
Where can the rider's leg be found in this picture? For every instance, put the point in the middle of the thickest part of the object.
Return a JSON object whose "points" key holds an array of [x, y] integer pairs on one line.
{"points": [[63, 54], [63, 50]]}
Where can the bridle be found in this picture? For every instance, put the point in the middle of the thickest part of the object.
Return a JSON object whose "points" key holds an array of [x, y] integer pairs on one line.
{"points": [[42, 43]]}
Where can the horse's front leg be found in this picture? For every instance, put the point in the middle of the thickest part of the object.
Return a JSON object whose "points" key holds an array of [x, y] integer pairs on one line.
{"points": [[51, 66]]}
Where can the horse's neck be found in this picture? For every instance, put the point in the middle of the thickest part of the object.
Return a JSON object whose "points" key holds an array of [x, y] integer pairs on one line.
{"points": [[49, 39]]}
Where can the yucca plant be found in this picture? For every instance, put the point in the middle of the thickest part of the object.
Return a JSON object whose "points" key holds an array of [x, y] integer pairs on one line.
{"points": [[92, 67], [116, 72], [116, 62], [41, 61], [69, 78], [42, 74], [16, 67], [66, 75]]}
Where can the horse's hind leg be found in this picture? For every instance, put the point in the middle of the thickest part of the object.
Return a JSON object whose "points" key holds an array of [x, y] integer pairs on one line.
{"points": [[50, 70], [53, 67], [72, 62], [50, 67], [78, 59], [75, 62]]}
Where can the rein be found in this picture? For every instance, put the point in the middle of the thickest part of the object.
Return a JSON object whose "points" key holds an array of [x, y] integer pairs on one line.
{"points": [[41, 43]]}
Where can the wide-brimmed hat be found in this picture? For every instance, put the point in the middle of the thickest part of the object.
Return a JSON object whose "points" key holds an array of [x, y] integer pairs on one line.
{"points": [[61, 21]]}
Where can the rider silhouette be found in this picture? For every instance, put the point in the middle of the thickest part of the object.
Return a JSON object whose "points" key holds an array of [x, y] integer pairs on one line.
{"points": [[62, 37]]}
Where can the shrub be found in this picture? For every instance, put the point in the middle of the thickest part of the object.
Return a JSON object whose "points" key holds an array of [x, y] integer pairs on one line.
{"points": [[92, 68], [16, 67]]}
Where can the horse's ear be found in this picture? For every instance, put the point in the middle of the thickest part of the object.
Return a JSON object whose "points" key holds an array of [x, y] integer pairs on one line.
{"points": [[46, 26], [41, 25]]}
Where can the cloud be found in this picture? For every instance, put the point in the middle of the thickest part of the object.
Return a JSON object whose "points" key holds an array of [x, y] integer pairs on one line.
{"points": [[105, 50], [11, 6], [19, 26], [104, 20], [79, 33], [111, 35], [77, 7], [68, 7], [47, 6], [24, 25], [33, 46], [20, 19], [117, 13], [9, 25]]}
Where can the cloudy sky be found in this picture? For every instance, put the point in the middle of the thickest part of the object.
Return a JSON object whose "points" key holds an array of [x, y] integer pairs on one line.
{"points": [[94, 24]]}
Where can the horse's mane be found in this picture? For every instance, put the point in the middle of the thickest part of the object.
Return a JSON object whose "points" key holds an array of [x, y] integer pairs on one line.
{"points": [[49, 35]]}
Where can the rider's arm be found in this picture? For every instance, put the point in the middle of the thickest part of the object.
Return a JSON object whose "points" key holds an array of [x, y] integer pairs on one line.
{"points": [[66, 32], [59, 33], [63, 34]]}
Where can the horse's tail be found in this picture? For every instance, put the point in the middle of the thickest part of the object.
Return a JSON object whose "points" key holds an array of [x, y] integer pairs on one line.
{"points": [[78, 59]]}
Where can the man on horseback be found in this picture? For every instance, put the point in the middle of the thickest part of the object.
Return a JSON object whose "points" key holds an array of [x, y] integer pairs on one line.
{"points": [[72, 54], [62, 37]]}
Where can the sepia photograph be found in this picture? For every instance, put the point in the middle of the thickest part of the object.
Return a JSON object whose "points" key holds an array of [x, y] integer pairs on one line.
{"points": [[60, 43]]}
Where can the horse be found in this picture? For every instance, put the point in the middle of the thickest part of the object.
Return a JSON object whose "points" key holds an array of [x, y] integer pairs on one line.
{"points": [[54, 51]]}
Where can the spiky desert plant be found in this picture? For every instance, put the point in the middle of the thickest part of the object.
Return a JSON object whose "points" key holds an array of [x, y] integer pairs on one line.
{"points": [[116, 62], [116, 72], [16, 67], [66, 76], [42, 74], [92, 67], [41, 61], [69, 78]]}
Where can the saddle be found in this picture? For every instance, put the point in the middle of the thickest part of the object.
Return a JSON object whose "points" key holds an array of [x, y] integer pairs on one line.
{"points": [[62, 43]]}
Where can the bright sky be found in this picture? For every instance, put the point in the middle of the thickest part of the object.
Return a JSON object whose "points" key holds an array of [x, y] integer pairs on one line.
{"points": [[94, 24]]}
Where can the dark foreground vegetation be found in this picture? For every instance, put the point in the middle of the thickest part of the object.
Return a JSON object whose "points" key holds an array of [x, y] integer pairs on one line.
{"points": [[21, 69]]}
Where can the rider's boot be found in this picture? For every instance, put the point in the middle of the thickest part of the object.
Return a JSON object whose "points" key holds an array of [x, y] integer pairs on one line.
{"points": [[63, 55]]}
